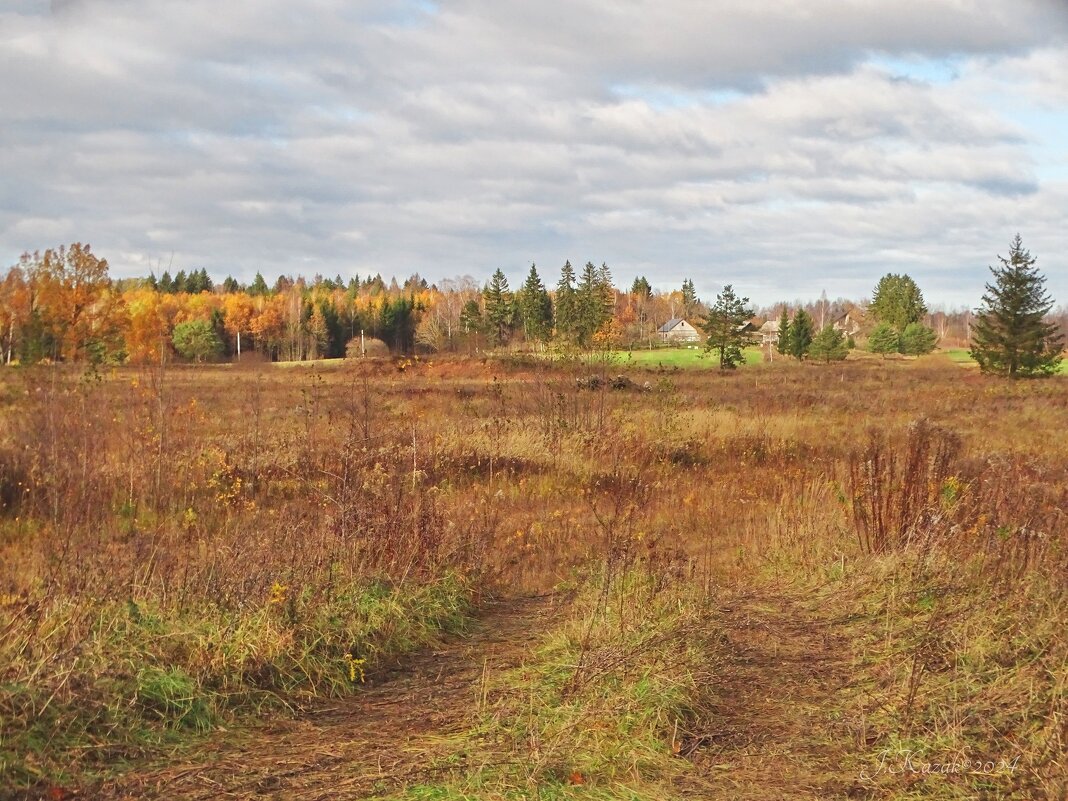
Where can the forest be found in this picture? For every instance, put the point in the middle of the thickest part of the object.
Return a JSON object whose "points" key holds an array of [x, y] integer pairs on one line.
{"points": [[62, 305]]}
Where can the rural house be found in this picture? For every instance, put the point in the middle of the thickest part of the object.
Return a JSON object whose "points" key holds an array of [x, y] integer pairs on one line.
{"points": [[850, 322], [769, 333], [678, 330]]}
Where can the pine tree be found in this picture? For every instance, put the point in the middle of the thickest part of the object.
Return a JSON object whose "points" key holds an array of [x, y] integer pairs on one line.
{"points": [[566, 311], [800, 335], [884, 339], [535, 308], [723, 325], [782, 345], [230, 285], [1010, 335], [828, 345], [498, 308], [166, 283]]}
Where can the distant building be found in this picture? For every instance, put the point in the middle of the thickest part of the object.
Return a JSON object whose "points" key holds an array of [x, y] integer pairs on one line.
{"points": [[769, 333], [678, 330], [851, 322]]}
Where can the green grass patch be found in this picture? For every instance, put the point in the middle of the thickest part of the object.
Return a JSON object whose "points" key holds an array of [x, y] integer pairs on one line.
{"points": [[683, 358], [963, 357]]}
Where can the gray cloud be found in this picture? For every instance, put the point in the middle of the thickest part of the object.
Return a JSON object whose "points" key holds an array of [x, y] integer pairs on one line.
{"points": [[761, 143]]}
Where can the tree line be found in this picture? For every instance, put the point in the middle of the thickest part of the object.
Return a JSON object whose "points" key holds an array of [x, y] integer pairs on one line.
{"points": [[61, 305]]}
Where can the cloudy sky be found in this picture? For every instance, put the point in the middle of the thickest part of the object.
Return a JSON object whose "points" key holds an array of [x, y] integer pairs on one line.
{"points": [[787, 146]]}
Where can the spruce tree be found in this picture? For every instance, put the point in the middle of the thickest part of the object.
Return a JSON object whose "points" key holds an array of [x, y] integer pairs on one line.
{"points": [[498, 308], [641, 287], [535, 308], [566, 311], [1011, 336], [897, 300], [258, 286], [723, 325], [689, 297], [782, 345], [884, 339], [828, 345], [918, 339], [800, 335]]}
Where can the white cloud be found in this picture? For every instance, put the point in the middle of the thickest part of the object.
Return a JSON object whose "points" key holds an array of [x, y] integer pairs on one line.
{"points": [[329, 136]]}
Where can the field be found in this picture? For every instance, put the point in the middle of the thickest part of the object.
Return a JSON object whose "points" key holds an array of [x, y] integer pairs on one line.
{"points": [[684, 357], [477, 579]]}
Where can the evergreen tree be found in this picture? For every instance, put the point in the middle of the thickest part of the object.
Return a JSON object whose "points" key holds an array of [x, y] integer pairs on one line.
{"points": [[641, 287], [782, 345], [800, 335], [689, 298], [151, 282], [166, 284], [723, 325], [196, 339], [535, 308], [608, 294], [918, 339], [897, 301], [258, 286], [1011, 336], [566, 312], [498, 308], [884, 339], [588, 304], [180, 281], [230, 285], [828, 345], [471, 318]]}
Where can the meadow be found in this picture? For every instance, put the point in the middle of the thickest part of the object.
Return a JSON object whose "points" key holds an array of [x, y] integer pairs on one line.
{"points": [[477, 578]]}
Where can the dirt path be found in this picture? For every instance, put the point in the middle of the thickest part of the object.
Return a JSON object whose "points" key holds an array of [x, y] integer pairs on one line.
{"points": [[777, 729], [382, 739]]}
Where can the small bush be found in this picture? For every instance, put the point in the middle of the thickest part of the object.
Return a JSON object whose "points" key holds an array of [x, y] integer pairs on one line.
{"points": [[370, 346]]}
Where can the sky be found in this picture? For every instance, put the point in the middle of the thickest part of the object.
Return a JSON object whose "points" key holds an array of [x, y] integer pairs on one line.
{"points": [[787, 147]]}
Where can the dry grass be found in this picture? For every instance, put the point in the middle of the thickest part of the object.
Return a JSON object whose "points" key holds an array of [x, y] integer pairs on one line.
{"points": [[180, 545]]}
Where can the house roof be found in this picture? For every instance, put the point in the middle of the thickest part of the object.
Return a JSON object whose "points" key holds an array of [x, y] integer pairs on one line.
{"points": [[770, 327], [670, 325]]}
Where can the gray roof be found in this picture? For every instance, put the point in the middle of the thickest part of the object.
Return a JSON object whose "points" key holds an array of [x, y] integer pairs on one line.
{"points": [[669, 325]]}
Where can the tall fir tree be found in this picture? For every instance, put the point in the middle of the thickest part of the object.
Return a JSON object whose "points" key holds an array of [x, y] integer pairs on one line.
{"points": [[535, 308], [800, 335], [499, 309], [782, 344], [723, 325], [689, 298], [1010, 335], [565, 311], [588, 304], [641, 287], [258, 286]]}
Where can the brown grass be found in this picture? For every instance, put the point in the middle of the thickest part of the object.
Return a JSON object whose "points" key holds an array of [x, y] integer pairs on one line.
{"points": [[226, 526]]}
